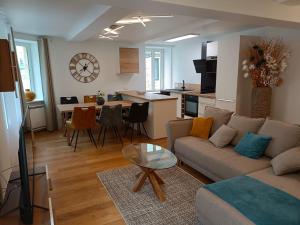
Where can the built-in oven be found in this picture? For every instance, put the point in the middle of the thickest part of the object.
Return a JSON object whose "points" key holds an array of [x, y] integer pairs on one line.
{"points": [[191, 105]]}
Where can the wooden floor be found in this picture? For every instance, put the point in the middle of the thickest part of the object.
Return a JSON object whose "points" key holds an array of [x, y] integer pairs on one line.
{"points": [[78, 196]]}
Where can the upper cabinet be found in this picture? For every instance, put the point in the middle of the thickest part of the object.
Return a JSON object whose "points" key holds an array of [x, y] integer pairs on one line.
{"points": [[129, 60], [7, 81]]}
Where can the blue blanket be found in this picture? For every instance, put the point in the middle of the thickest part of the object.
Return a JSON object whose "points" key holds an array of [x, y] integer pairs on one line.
{"points": [[259, 202]]}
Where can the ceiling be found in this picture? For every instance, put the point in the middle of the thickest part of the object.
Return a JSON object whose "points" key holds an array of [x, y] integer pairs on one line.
{"points": [[78, 20]]}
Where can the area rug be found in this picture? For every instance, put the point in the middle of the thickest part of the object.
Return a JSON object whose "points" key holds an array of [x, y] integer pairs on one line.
{"points": [[143, 207]]}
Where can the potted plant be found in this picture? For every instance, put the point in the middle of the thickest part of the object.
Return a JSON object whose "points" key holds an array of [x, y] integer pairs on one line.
{"points": [[100, 97], [265, 63]]}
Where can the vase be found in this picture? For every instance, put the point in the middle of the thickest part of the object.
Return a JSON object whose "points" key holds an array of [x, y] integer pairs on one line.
{"points": [[100, 101], [29, 95], [261, 102]]}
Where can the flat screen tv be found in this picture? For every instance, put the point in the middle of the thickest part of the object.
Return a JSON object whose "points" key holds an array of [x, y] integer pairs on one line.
{"points": [[26, 168]]}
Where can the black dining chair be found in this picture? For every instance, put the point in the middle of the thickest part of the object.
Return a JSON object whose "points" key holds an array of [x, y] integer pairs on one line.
{"points": [[110, 118], [138, 114], [68, 100]]}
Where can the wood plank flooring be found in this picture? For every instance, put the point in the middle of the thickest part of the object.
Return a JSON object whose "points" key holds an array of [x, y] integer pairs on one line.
{"points": [[78, 196]]}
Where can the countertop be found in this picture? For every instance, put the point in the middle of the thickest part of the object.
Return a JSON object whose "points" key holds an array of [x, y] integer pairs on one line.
{"points": [[148, 96], [196, 93]]}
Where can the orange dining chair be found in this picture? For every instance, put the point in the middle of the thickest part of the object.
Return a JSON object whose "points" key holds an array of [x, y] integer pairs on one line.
{"points": [[89, 98], [83, 118]]}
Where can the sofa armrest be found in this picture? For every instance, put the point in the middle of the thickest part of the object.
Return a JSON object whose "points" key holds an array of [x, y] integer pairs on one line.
{"points": [[177, 129]]}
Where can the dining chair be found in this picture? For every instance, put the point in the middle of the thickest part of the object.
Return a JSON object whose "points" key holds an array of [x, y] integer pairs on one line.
{"points": [[138, 114], [110, 118], [83, 118], [68, 100], [89, 98]]}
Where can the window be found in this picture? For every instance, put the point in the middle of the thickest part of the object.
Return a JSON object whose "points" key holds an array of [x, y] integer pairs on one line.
{"points": [[29, 64], [154, 58]]}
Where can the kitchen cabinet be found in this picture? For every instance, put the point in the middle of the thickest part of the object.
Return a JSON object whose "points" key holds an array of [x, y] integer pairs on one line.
{"points": [[203, 102], [7, 80], [129, 60], [179, 103]]}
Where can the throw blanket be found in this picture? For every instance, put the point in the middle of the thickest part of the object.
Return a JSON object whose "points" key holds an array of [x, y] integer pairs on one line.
{"points": [[259, 202]]}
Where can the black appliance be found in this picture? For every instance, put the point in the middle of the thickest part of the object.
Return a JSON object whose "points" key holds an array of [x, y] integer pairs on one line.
{"points": [[191, 105], [200, 65]]}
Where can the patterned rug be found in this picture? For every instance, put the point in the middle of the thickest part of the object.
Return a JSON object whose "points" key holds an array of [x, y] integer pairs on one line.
{"points": [[143, 207]]}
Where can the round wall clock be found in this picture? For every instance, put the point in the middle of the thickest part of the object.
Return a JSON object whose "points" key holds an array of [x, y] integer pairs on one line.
{"points": [[84, 67]]}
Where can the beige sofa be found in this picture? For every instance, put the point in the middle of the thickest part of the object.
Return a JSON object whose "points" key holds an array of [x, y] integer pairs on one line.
{"points": [[224, 163]]}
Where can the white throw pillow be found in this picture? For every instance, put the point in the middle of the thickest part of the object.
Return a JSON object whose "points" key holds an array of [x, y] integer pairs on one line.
{"points": [[223, 136], [287, 162]]}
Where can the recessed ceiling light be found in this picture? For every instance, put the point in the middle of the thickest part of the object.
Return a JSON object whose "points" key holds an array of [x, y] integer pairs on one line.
{"points": [[182, 37], [132, 21]]}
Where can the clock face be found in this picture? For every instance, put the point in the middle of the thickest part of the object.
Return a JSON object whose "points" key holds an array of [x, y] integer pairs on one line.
{"points": [[84, 67]]}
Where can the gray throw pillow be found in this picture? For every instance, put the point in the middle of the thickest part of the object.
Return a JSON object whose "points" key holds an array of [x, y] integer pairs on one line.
{"points": [[287, 162], [220, 116], [243, 125], [284, 136], [223, 136]]}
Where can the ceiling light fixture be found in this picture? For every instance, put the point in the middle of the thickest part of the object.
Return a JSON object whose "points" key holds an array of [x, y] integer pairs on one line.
{"points": [[132, 21], [188, 36], [111, 37], [112, 29]]}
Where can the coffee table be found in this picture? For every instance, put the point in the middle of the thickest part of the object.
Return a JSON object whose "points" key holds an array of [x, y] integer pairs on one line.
{"points": [[150, 158]]}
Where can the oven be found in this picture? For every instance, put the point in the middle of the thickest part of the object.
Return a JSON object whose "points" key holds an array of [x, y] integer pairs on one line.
{"points": [[191, 105]]}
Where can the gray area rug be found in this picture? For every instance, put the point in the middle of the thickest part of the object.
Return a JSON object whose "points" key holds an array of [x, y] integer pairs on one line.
{"points": [[143, 207]]}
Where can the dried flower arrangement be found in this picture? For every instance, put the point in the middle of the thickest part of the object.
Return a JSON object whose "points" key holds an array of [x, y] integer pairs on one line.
{"points": [[266, 61]]}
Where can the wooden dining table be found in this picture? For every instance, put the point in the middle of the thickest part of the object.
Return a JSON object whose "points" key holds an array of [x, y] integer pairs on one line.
{"points": [[66, 108]]}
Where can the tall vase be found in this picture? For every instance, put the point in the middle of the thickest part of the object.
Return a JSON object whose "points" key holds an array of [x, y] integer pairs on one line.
{"points": [[261, 102]]}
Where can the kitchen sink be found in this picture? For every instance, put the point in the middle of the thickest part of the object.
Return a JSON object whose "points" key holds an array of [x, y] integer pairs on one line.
{"points": [[178, 89]]}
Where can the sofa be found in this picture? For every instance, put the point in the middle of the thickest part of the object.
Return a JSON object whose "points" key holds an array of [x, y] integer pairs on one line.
{"points": [[225, 163]]}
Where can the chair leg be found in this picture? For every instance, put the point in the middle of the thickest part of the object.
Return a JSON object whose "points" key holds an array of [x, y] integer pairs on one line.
{"points": [[145, 130], [118, 134], [76, 140], [139, 128], [132, 131], [89, 135], [92, 137], [104, 137], [68, 137], [99, 136], [126, 128], [72, 136]]}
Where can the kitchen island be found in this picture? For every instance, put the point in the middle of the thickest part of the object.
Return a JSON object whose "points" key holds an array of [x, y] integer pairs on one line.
{"points": [[162, 108]]}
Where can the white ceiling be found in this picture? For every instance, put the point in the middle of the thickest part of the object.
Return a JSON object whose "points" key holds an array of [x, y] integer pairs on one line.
{"points": [[79, 20]]}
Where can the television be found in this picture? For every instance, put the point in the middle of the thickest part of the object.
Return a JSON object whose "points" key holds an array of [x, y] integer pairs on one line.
{"points": [[27, 184]]}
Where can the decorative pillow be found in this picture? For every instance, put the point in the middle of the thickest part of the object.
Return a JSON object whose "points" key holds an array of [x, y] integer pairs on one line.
{"points": [[201, 127], [284, 136], [287, 162], [220, 116], [253, 145], [223, 136], [243, 125]]}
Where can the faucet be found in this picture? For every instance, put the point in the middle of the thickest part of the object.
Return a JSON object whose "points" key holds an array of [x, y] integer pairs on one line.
{"points": [[183, 86]]}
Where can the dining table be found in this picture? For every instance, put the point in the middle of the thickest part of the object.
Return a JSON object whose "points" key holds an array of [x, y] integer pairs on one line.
{"points": [[64, 109]]}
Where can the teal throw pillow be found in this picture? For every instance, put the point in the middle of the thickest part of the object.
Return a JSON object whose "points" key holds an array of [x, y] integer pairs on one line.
{"points": [[253, 145]]}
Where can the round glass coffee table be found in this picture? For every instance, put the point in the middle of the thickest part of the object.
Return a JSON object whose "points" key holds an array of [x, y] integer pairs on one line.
{"points": [[149, 158]]}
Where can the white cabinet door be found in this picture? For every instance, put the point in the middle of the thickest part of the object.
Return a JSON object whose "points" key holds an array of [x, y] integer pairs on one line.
{"points": [[179, 103], [203, 102]]}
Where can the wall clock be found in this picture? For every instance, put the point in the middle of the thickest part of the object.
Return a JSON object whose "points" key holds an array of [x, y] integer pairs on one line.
{"points": [[84, 67]]}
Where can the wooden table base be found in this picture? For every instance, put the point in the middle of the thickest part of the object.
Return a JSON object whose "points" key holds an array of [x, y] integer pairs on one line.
{"points": [[154, 179]]}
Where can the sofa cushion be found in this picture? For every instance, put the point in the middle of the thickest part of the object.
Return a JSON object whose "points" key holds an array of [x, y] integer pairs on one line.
{"points": [[201, 127], [284, 136], [223, 136], [243, 125], [224, 163], [220, 116], [287, 162], [253, 145]]}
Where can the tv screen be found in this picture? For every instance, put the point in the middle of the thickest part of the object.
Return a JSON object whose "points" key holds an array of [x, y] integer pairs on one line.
{"points": [[200, 65]]}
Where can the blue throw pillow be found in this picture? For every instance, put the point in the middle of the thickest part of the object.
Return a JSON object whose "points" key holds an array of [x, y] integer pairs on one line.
{"points": [[253, 145]]}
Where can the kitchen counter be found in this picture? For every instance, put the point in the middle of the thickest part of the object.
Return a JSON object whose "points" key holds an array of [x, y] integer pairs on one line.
{"points": [[147, 96], [193, 92]]}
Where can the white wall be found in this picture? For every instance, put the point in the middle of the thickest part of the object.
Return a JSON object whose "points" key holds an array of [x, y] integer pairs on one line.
{"points": [[183, 55], [10, 120], [107, 54]]}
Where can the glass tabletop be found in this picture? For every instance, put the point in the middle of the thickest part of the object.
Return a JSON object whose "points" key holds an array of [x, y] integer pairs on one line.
{"points": [[149, 156]]}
